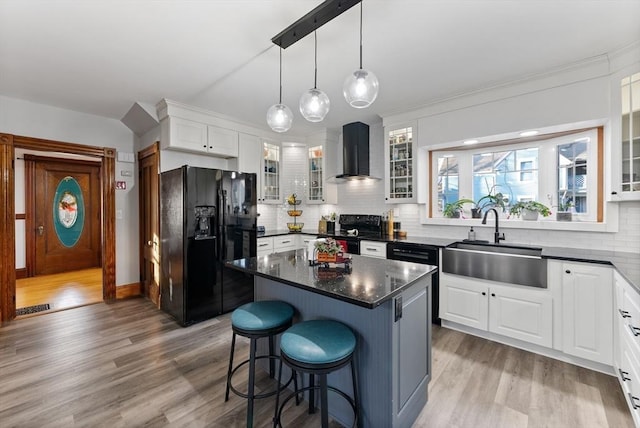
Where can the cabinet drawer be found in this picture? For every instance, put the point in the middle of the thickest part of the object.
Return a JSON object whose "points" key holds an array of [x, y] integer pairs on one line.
{"points": [[284, 243], [373, 249], [264, 246]]}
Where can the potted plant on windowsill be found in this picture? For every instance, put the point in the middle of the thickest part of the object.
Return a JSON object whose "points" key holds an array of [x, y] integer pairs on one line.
{"points": [[454, 209], [565, 208], [491, 200], [529, 210]]}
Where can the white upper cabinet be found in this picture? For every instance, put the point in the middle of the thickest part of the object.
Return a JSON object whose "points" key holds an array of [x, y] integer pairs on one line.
{"points": [[321, 162], [196, 137], [222, 142], [400, 164], [190, 129], [271, 172], [625, 160]]}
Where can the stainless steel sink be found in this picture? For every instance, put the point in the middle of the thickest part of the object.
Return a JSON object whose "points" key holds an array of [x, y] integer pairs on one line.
{"points": [[496, 262]]}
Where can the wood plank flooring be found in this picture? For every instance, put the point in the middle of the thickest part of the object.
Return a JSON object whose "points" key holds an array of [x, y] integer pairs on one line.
{"points": [[127, 364], [61, 290]]}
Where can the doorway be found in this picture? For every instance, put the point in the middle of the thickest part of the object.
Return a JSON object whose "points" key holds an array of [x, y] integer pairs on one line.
{"points": [[8, 144], [62, 242], [149, 207]]}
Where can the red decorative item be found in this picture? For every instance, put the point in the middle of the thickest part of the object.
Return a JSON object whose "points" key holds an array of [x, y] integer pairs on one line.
{"points": [[327, 258]]}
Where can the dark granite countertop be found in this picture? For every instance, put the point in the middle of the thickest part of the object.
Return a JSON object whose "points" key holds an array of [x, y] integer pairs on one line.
{"points": [[627, 264], [371, 282]]}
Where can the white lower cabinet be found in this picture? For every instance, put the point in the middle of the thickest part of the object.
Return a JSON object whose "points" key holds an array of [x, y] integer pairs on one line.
{"points": [[522, 314], [464, 302], [277, 244], [373, 249], [587, 321], [627, 340], [513, 311], [264, 246], [285, 243]]}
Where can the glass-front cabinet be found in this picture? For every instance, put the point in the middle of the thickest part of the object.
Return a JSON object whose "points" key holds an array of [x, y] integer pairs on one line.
{"points": [[271, 172], [316, 175], [400, 153], [631, 135]]}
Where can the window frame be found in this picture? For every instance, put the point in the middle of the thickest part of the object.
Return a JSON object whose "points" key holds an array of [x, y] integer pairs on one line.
{"points": [[547, 176]]}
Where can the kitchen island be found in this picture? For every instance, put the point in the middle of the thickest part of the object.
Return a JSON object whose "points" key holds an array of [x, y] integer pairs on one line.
{"points": [[387, 303]]}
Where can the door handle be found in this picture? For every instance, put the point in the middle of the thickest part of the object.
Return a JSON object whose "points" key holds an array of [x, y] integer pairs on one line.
{"points": [[41, 230]]}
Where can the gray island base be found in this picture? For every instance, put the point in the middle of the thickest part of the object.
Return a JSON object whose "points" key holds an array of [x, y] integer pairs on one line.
{"points": [[387, 303]]}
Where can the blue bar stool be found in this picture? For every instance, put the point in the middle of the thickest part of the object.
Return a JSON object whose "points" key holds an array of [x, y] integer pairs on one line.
{"points": [[318, 347], [256, 320]]}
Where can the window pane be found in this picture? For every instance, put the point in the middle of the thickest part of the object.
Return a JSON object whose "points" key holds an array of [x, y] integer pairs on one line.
{"points": [[572, 176], [502, 178], [447, 181]]}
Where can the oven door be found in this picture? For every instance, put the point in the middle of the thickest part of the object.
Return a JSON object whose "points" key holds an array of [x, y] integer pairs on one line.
{"points": [[351, 245]]}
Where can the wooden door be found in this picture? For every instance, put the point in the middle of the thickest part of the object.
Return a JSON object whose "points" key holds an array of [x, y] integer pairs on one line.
{"points": [[63, 215], [148, 185]]}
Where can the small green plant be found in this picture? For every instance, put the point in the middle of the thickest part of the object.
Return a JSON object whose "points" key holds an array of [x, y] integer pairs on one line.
{"points": [[492, 199], [517, 208], [454, 209], [329, 246]]}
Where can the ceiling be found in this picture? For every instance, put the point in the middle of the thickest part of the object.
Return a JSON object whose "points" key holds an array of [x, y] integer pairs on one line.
{"points": [[101, 56]]}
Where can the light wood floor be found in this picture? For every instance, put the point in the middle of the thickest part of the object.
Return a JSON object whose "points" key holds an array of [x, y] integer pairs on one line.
{"points": [[62, 290], [128, 364]]}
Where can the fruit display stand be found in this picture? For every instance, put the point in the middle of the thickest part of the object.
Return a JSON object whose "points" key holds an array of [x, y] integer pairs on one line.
{"points": [[295, 213]]}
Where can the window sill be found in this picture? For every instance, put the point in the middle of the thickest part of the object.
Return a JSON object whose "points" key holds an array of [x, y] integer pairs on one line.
{"points": [[575, 225]]}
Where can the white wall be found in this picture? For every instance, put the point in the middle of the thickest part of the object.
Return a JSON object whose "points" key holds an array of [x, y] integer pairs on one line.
{"points": [[29, 119]]}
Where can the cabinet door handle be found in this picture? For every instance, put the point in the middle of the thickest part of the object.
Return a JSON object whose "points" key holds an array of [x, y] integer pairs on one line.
{"points": [[623, 375], [371, 249], [567, 271], [633, 401], [634, 330], [263, 245], [284, 242], [484, 294], [624, 314], [493, 294]]}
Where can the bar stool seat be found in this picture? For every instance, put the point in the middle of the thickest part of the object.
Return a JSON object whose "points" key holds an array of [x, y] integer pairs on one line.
{"points": [[257, 320], [262, 315], [318, 347]]}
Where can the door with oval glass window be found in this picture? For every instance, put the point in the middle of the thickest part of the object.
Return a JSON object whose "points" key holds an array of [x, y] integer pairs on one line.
{"points": [[63, 218]]}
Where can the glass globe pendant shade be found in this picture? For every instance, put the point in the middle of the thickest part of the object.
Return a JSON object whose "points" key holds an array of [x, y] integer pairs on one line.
{"points": [[360, 88], [314, 105], [279, 117]]}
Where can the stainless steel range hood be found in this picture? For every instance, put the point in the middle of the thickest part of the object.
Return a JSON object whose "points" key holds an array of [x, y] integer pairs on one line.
{"points": [[355, 152]]}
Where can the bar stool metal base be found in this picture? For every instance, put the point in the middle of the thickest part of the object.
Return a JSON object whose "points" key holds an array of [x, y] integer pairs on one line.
{"points": [[321, 370], [253, 336]]}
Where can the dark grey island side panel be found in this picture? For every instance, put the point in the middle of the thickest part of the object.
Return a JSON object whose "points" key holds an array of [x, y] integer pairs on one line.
{"points": [[390, 319]]}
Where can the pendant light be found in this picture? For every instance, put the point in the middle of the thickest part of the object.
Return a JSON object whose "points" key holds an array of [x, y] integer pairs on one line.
{"points": [[279, 116], [314, 104], [360, 88]]}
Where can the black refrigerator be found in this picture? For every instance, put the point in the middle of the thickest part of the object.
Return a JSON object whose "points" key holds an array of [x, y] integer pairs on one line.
{"points": [[207, 216]]}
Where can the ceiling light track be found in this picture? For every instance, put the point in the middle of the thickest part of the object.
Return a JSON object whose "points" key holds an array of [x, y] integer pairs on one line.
{"points": [[313, 20]]}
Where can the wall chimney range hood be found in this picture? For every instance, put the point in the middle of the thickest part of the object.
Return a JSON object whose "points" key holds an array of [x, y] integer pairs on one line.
{"points": [[355, 152]]}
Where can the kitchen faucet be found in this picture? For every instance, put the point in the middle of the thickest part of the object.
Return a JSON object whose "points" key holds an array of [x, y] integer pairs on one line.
{"points": [[497, 236]]}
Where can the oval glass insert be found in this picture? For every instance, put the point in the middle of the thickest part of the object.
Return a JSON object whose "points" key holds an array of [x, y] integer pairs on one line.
{"points": [[68, 211]]}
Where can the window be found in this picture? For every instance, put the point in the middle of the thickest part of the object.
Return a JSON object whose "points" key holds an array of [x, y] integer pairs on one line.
{"points": [[502, 172], [552, 170], [572, 176], [447, 181]]}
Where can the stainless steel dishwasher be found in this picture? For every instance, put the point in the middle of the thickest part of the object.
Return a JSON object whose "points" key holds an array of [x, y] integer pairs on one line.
{"points": [[423, 254]]}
